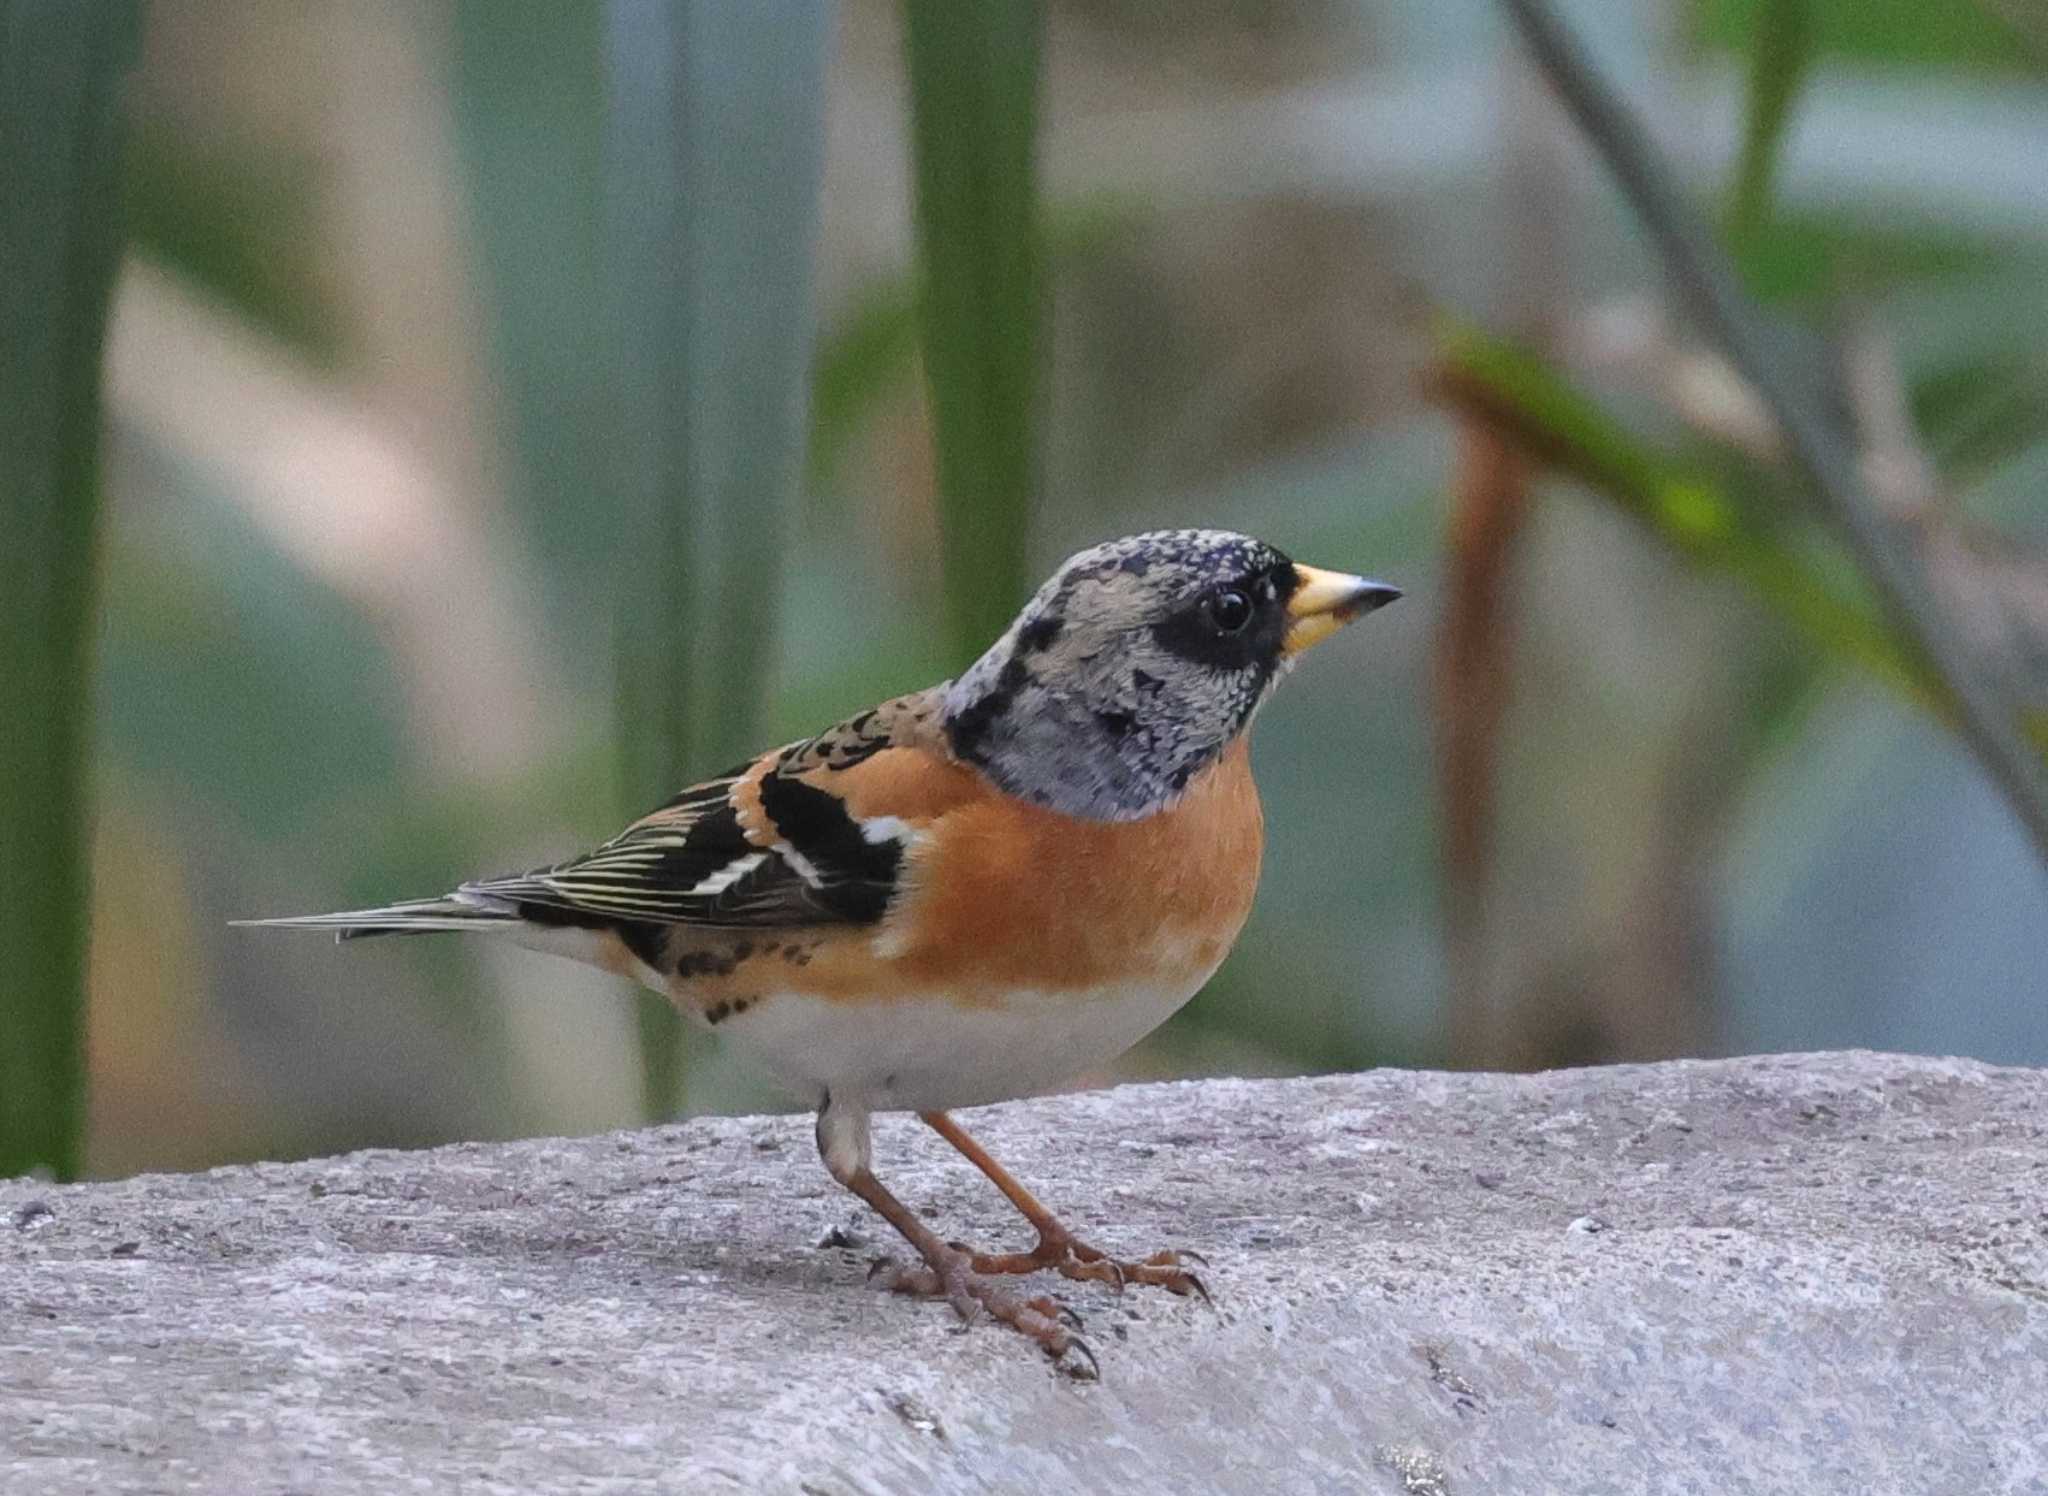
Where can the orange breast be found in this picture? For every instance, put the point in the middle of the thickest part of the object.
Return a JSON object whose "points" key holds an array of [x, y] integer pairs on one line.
{"points": [[1002, 895]]}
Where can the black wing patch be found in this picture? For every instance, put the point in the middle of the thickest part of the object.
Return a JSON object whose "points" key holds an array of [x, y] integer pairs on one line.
{"points": [[850, 875], [690, 863]]}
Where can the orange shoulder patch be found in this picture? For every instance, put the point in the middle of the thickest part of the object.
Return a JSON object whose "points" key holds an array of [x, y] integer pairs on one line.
{"points": [[912, 784]]}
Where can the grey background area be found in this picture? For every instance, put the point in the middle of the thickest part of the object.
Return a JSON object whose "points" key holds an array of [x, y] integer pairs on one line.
{"points": [[1809, 1273]]}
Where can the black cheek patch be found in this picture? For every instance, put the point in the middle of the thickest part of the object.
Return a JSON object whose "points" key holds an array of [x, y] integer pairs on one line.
{"points": [[1192, 635], [1189, 635]]}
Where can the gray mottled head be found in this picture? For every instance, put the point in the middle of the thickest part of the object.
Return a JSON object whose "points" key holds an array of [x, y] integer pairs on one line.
{"points": [[1137, 664]]}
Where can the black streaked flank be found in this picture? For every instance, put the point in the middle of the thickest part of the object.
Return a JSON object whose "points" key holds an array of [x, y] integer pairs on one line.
{"points": [[713, 963], [725, 1008]]}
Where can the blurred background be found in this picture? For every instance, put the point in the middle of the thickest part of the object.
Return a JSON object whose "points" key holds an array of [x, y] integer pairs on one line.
{"points": [[479, 375]]}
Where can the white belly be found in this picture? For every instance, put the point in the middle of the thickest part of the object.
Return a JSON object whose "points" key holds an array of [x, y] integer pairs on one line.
{"points": [[931, 1054]]}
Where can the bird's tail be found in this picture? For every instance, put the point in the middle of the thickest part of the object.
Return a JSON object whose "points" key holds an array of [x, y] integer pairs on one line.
{"points": [[457, 911]]}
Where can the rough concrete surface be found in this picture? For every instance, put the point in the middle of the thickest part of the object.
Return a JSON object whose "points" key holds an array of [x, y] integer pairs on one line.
{"points": [[1812, 1273]]}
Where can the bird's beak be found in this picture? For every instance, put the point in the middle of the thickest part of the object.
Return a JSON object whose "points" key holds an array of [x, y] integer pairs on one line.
{"points": [[1324, 601]]}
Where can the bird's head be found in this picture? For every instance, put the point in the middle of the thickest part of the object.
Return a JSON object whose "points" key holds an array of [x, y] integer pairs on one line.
{"points": [[1138, 663]]}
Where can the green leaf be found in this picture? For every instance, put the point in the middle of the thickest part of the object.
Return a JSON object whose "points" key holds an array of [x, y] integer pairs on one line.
{"points": [[715, 159], [61, 68], [1686, 508], [1781, 50], [974, 75]]}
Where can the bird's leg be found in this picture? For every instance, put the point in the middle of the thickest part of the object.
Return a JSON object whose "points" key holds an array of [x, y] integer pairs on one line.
{"points": [[948, 1271], [1057, 1246]]}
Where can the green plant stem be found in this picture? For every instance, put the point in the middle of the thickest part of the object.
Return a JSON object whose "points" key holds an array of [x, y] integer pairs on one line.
{"points": [[974, 77], [60, 238]]}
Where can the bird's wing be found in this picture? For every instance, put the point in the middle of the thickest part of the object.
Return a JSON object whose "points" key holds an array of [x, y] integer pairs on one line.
{"points": [[811, 833]]}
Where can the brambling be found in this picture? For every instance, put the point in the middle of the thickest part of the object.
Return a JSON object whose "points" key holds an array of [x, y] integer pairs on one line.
{"points": [[970, 893]]}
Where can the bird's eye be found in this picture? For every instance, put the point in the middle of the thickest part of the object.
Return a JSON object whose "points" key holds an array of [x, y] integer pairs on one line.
{"points": [[1229, 609]]}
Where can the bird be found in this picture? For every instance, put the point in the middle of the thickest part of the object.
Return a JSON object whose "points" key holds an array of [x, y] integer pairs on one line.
{"points": [[968, 894]]}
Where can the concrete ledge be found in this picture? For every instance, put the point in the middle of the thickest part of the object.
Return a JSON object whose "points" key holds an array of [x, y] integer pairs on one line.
{"points": [[1809, 1273]]}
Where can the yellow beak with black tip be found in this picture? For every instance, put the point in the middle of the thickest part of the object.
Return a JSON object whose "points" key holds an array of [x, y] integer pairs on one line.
{"points": [[1324, 601]]}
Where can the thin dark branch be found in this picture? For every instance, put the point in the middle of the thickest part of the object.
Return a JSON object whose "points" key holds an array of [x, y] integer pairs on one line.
{"points": [[1818, 445]]}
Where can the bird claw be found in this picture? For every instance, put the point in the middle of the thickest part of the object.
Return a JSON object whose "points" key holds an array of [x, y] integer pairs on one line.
{"points": [[1161, 1270], [1075, 1259], [1091, 1373], [1043, 1319], [964, 1279]]}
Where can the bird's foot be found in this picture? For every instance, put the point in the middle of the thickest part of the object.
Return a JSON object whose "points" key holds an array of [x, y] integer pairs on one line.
{"points": [[955, 1278], [1073, 1258]]}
